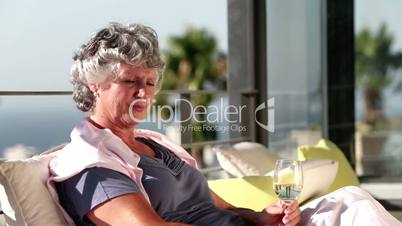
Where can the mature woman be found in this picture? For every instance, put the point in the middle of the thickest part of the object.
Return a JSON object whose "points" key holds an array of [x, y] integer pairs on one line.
{"points": [[113, 174]]}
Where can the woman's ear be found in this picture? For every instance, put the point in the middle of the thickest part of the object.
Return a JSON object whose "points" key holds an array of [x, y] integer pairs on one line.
{"points": [[95, 89]]}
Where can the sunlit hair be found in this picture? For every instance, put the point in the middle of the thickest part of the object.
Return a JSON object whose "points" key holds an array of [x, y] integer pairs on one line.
{"points": [[96, 61]]}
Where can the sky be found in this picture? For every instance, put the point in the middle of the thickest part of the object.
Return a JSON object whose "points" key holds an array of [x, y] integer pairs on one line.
{"points": [[372, 13], [38, 38]]}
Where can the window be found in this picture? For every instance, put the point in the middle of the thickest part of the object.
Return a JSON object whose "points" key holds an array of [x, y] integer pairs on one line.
{"points": [[378, 69], [295, 75]]}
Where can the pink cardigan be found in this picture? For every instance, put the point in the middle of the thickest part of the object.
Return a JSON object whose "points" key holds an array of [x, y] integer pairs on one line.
{"points": [[91, 146]]}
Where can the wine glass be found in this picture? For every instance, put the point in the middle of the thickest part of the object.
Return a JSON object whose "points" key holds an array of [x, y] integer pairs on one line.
{"points": [[288, 179]]}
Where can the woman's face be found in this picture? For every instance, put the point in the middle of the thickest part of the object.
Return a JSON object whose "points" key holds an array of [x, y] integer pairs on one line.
{"points": [[126, 100]]}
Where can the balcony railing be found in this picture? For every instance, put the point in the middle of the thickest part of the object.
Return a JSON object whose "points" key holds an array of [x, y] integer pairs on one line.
{"points": [[186, 135]]}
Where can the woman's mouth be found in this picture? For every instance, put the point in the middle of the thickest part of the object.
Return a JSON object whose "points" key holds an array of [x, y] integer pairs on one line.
{"points": [[138, 108], [139, 105]]}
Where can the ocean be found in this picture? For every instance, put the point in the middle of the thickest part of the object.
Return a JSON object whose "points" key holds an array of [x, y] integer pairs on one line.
{"points": [[41, 122]]}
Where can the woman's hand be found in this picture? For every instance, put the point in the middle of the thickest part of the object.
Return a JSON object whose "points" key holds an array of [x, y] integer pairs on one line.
{"points": [[281, 213], [278, 213], [287, 214]]}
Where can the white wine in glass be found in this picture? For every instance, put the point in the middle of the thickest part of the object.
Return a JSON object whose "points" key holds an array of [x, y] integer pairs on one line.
{"points": [[288, 179]]}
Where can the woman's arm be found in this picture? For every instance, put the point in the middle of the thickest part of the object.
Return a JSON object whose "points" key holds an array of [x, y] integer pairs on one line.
{"points": [[219, 202], [274, 214], [247, 214], [127, 210]]}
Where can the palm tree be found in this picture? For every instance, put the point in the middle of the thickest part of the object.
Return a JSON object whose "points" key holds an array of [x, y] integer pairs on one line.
{"points": [[192, 61], [374, 61]]}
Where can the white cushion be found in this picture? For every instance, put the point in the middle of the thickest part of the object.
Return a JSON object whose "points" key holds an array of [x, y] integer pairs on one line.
{"points": [[24, 197], [318, 175], [246, 159]]}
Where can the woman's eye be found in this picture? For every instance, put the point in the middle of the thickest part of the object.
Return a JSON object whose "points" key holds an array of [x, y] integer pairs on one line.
{"points": [[132, 82]]}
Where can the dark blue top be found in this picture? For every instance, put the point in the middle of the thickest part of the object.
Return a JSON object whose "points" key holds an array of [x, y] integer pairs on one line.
{"points": [[177, 191]]}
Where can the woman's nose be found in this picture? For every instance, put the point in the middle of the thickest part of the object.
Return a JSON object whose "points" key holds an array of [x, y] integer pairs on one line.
{"points": [[140, 92]]}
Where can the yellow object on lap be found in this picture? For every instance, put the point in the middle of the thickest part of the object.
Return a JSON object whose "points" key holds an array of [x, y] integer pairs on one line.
{"points": [[253, 192]]}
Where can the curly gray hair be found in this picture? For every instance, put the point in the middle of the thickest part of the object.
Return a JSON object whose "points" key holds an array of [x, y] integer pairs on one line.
{"points": [[96, 61]]}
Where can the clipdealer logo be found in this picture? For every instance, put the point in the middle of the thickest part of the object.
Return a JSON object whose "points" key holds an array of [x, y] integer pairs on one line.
{"points": [[270, 105], [213, 117]]}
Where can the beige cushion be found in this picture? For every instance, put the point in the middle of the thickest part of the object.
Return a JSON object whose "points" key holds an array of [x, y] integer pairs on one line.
{"points": [[24, 197], [325, 149], [246, 159], [318, 176]]}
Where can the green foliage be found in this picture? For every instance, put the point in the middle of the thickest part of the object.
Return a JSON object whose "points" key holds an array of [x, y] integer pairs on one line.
{"points": [[374, 62], [192, 59], [374, 57]]}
